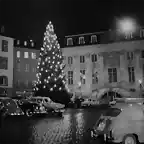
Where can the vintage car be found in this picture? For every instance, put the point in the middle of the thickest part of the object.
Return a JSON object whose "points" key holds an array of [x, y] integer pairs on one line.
{"points": [[31, 108], [123, 122], [9, 107], [51, 106], [89, 102]]}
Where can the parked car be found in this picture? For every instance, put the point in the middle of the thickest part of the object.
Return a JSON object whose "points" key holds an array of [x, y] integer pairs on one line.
{"points": [[121, 123], [31, 108], [9, 107], [49, 104]]}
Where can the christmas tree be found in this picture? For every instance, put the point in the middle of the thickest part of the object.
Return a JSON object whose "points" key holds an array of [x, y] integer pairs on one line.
{"points": [[50, 69]]}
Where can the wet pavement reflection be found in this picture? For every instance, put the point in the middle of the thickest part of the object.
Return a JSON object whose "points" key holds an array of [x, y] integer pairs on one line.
{"points": [[71, 129]]}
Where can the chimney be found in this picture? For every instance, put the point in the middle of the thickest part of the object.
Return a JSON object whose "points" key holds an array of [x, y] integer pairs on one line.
{"points": [[2, 29]]}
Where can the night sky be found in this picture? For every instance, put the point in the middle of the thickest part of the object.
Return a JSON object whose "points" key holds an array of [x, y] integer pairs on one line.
{"points": [[23, 18]]}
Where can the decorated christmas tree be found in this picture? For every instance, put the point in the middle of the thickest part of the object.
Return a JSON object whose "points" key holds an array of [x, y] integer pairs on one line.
{"points": [[50, 68]]}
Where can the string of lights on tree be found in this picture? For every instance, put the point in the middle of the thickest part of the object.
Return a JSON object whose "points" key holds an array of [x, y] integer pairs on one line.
{"points": [[50, 66]]}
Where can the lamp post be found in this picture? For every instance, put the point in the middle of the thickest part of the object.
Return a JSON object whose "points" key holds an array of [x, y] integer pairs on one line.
{"points": [[79, 86], [140, 85]]}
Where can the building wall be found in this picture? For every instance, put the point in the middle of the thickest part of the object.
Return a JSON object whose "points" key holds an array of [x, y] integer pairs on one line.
{"points": [[9, 55], [20, 73], [113, 55]]}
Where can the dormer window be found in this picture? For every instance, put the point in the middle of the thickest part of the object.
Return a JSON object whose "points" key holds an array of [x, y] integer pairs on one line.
{"points": [[93, 39], [142, 33], [25, 43], [32, 44], [69, 41], [129, 36], [81, 40], [18, 42]]}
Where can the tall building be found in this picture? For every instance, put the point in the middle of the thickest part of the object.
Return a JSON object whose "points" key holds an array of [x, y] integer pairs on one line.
{"points": [[6, 63], [25, 63], [103, 60]]}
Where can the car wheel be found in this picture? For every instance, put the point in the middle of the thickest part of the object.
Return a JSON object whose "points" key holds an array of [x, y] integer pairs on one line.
{"points": [[129, 139], [28, 113]]}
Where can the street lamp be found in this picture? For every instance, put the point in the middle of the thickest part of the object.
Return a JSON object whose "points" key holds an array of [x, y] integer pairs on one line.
{"points": [[140, 85], [126, 25], [79, 86]]}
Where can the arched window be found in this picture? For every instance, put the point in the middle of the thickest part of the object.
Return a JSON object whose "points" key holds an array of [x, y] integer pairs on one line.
{"points": [[4, 80]]}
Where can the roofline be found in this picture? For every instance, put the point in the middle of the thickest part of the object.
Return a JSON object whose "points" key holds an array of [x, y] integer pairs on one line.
{"points": [[87, 34]]}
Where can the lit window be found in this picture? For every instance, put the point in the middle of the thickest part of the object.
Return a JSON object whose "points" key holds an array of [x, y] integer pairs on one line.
{"points": [[93, 39], [18, 54], [32, 44], [81, 40], [69, 41], [26, 55], [18, 42], [33, 55], [25, 43]]}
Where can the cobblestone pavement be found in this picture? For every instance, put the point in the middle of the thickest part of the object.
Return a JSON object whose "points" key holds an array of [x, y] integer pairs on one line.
{"points": [[71, 129]]}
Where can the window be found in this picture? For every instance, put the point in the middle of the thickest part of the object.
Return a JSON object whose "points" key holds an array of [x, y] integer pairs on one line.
{"points": [[4, 80], [18, 54], [33, 55], [18, 66], [33, 69], [70, 60], [70, 77], [93, 39], [18, 42], [82, 59], [112, 73], [142, 54], [4, 63], [131, 74], [129, 36], [69, 41], [4, 45], [26, 83], [25, 43], [27, 68], [94, 57], [82, 76], [32, 44], [143, 71], [18, 83], [130, 55], [142, 33], [94, 78], [26, 55], [81, 40]]}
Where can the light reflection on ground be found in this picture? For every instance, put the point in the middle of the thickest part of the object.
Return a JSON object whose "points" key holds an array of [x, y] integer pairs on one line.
{"points": [[71, 129]]}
